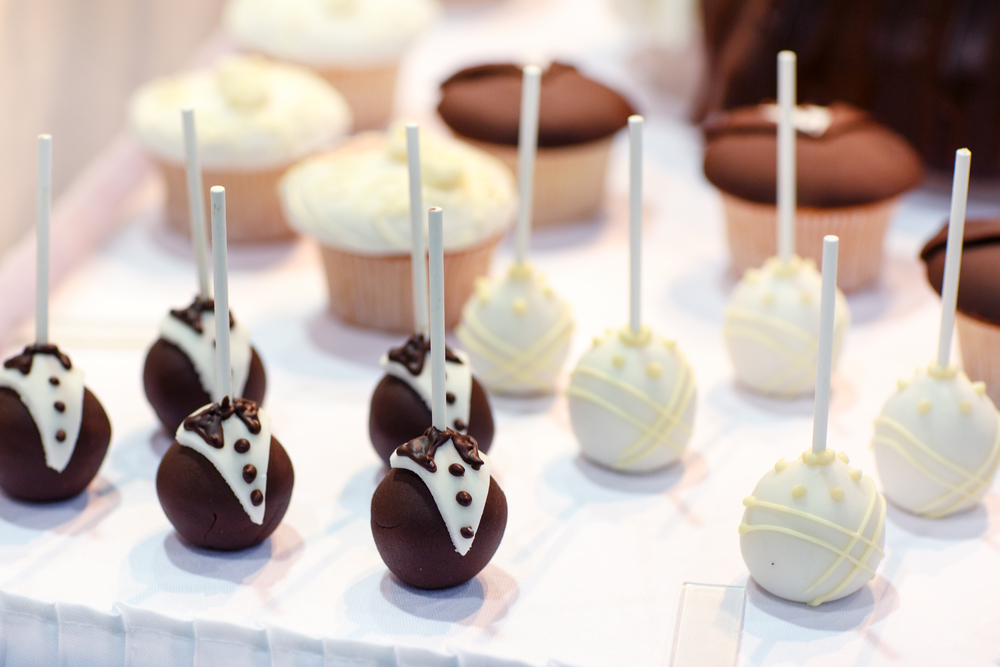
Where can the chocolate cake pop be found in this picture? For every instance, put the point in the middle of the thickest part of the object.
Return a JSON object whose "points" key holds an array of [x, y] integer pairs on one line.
{"points": [[438, 517], [179, 373], [401, 403], [937, 439], [54, 432], [814, 528], [225, 482]]}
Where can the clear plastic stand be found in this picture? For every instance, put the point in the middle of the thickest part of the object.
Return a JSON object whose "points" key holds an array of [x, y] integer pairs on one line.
{"points": [[709, 626]]}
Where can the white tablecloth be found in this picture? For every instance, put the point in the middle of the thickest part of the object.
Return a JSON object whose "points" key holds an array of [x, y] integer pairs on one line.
{"points": [[591, 567]]}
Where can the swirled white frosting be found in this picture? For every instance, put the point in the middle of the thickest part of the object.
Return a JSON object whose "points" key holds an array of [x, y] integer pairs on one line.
{"points": [[357, 197], [250, 113], [329, 32]]}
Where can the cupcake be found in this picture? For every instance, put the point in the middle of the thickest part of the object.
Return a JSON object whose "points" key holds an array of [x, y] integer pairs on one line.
{"points": [[355, 202], [850, 173], [356, 45], [254, 119], [978, 314], [578, 118]]}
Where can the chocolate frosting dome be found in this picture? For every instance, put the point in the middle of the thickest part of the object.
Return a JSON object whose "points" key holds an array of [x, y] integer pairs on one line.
{"points": [[979, 279], [849, 160], [484, 103]]}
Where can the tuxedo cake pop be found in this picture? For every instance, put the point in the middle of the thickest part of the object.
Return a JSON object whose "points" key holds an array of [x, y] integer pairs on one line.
{"points": [[438, 516], [54, 432], [401, 403], [225, 482], [179, 373]]}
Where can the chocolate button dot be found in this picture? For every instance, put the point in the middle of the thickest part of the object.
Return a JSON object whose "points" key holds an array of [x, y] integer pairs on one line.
{"points": [[54, 381], [59, 406], [256, 497], [60, 435], [456, 469], [249, 473], [242, 446], [460, 425], [450, 397], [467, 532], [463, 498]]}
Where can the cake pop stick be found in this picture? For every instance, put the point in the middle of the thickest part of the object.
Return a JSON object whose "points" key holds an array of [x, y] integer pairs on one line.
{"points": [[196, 199], [786, 156], [635, 124], [527, 147], [224, 379], [824, 363], [418, 254], [953, 254], [439, 417], [42, 238]]}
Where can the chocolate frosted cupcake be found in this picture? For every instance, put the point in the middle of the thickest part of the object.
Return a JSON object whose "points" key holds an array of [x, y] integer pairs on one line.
{"points": [[577, 119], [978, 316], [850, 172]]}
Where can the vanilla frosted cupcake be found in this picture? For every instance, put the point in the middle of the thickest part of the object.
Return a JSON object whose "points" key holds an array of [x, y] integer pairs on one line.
{"points": [[356, 45], [355, 202], [254, 119]]}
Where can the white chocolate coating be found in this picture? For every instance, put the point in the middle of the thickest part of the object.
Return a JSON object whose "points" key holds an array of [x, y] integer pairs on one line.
{"points": [[937, 443], [517, 332], [230, 463], [444, 487], [632, 401], [200, 349], [251, 114], [39, 395], [457, 383], [358, 196], [772, 327], [813, 529], [346, 33]]}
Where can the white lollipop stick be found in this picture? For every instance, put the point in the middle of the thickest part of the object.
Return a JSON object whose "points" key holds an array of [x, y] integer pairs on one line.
{"points": [[786, 155], [42, 238], [196, 203], [824, 362], [418, 252], [439, 417], [953, 254], [635, 124], [527, 147], [223, 370]]}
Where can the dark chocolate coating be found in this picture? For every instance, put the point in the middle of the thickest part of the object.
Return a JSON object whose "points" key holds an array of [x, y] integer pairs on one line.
{"points": [[174, 389], [398, 415], [979, 279], [484, 103], [855, 162], [23, 473], [413, 540], [206, 512]]}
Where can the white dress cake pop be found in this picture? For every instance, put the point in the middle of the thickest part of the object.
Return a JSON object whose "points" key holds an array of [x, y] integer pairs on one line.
{"points": [[772, 321], [632, 401], [517, 332], [937, 439], [772, 327]]}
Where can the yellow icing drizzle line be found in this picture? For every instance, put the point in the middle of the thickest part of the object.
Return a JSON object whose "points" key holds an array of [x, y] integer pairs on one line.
{"points": [[668, 417], [737, 313], [977, 479], [512, 365]]}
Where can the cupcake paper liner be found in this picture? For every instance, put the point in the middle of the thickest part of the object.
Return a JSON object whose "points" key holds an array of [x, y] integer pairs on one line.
{"points": [[376, 291], [369, 91], [253, 211], [569, 181], [752, 232], [980, 345]]}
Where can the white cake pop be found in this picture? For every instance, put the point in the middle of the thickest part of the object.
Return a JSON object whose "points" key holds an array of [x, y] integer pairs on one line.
{"points": [[517, 332], [772, 327], [813, 529], [632, 401]]}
